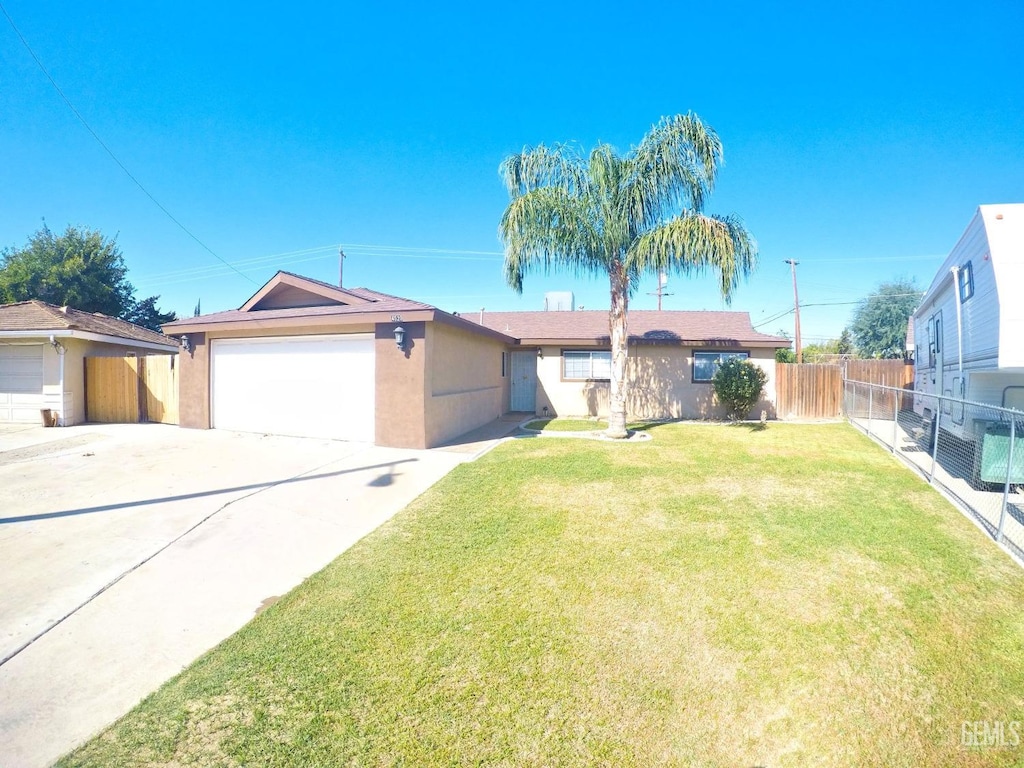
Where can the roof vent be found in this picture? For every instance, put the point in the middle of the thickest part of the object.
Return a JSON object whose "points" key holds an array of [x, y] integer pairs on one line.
{"points": [[559, 301], [64, 309]]}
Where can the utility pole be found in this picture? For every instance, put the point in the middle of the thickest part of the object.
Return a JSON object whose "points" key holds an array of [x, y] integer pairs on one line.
{"points": [[341, 266], [662, 282], [796, 307]]}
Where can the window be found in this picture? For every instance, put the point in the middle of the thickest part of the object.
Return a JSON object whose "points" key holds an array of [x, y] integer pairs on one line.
{"points": [[706, 363], [504, 364], [965, 277], [588, 364]]}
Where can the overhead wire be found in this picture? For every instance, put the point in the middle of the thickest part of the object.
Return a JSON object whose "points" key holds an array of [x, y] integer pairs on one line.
{"points": [[109, 151]]}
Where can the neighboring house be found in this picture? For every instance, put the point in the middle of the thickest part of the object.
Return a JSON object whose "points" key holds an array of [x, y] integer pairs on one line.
{"points": [[306, 358], [42, 348]]}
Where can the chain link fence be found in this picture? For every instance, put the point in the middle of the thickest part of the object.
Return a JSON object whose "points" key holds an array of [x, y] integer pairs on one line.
{"points": [[973, 451]]}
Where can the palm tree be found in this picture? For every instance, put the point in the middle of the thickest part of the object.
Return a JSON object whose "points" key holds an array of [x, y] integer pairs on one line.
{"points": [[624, 216]]}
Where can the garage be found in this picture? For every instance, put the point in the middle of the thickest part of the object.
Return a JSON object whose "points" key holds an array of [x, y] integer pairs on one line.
{"points": [[21, 382], [303, 386]]}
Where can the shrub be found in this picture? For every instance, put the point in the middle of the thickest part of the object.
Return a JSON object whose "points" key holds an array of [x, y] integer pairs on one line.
{"points": [[738, 385]]}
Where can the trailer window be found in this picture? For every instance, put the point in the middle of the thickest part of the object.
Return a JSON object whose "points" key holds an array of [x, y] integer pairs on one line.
{"points": [[965, 277]]}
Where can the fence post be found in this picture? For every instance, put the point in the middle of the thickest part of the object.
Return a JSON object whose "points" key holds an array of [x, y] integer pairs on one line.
{"points": [[895, 417], [871, 389], [935, 447], [1009, 474]]}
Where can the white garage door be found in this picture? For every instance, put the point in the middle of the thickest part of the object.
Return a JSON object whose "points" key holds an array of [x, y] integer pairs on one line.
{"points": [[21, 382], [306, 386]]}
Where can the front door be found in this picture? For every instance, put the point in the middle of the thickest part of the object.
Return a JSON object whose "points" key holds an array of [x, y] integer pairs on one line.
{"points": [[524, 382]]}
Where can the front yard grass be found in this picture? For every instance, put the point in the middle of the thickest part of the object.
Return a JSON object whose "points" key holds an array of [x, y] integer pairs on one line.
{"points": [[563, 424], [718, 596]]}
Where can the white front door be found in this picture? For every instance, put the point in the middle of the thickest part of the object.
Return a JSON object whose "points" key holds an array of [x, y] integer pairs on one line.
{"points": [[304, 386], [21, 382], [524, 382]]}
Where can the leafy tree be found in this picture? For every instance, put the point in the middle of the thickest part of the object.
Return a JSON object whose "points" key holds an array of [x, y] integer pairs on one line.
{"points": [[786, 355], [738, 386], [845, 344], [623, 216], [880, 321], [146, 314], [80, 269], [817, 353]]}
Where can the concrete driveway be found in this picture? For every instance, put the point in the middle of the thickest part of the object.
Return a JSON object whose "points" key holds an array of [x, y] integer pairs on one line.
{"points": [[129, 550]]}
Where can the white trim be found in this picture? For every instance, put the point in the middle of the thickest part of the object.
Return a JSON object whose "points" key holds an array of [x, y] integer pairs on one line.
{"points": [[171, 346], [293, 337]]}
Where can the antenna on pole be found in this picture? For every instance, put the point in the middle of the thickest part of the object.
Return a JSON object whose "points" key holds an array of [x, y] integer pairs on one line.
{"points": [[341, 266], [662, 282], [796, 308]]}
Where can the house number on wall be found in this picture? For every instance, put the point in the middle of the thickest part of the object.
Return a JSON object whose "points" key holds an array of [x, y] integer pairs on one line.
{"points": [[396, 318]]}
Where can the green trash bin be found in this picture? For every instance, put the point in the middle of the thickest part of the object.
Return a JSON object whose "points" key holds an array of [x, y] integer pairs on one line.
{"points": [[995, 450]]}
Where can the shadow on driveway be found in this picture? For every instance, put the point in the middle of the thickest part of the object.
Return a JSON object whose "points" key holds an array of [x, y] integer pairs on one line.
{"points": [[383, 480]]}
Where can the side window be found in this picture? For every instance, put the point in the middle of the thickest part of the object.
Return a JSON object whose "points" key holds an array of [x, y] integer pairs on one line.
{"points": [[966, 281], [938, 333]]}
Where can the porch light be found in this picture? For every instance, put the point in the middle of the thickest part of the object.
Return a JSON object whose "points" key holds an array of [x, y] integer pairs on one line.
{"points": [[400, 336], [185, 343]]}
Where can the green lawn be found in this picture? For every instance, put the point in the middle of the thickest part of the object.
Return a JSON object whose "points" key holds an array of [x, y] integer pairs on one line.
{"points": [[718, 596], [567, 425]]}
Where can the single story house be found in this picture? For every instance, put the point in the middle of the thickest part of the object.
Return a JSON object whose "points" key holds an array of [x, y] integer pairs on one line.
{"points": [[562, 361], [42, 352], [303, 357]]}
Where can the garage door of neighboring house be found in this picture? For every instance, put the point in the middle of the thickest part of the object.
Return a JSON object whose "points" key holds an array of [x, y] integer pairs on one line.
{"points": [[304, 386], [21, 382]]}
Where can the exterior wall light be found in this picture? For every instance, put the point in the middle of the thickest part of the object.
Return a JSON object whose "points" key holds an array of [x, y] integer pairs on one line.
{"points": [[400, 336], [185, 343]]}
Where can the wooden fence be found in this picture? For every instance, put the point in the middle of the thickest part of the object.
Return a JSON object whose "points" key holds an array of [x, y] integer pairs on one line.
{"points": [[810, 391], [129, 390]]}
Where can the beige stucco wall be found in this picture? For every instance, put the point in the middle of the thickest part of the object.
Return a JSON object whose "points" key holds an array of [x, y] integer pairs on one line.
{"points": [[662, 386], [465, 386], [401, 386], [194, 383]]}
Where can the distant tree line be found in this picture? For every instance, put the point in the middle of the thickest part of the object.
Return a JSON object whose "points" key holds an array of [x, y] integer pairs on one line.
{"points": [[80, 269]]}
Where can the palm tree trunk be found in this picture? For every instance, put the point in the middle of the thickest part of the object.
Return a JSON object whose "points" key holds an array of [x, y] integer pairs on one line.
{"points": [[617, 327]]}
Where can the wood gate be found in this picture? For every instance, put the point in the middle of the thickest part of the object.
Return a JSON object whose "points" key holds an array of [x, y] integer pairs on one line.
{"points": [[815, 391], [129, 390]]}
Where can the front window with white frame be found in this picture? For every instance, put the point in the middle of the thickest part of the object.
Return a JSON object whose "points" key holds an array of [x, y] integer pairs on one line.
{"points": [[586, 364], [706, 363]]}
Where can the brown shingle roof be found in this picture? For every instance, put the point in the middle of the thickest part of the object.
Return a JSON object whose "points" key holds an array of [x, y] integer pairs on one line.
{"points": [[37, 315], [644, 325], [378, 302]]}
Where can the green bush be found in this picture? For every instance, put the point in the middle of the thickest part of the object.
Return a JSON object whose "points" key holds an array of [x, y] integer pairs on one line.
{"points": [[738, 385]]}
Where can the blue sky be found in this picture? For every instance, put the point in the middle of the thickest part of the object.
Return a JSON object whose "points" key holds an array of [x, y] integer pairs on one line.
{"points": [[859, 138]]}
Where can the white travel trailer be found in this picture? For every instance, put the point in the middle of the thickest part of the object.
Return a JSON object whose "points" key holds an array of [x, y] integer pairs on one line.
{"points": [[969, 328]]}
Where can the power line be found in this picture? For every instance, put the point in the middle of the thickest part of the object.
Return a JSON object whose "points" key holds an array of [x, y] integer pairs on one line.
{"points": [[325, 251], [833, 304], [107, 149]]}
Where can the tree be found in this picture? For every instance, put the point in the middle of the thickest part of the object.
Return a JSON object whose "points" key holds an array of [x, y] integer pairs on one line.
{"points": [[738, 386], [880, 321], [845, 344], [80, 269], [786, 355], [623, 216], [146, 314]]}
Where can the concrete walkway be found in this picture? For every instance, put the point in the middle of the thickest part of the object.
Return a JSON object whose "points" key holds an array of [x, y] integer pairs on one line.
{"points": [[129, 550]]}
